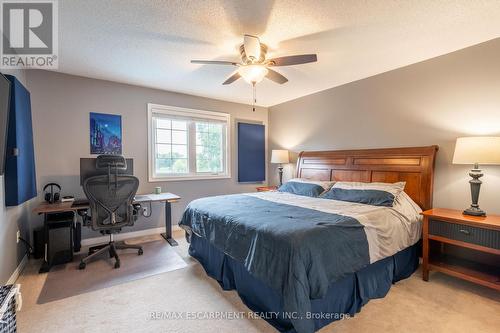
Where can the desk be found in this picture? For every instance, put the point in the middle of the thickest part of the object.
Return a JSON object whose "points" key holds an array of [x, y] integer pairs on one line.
{"points": [[167, 198], [58, 207]]}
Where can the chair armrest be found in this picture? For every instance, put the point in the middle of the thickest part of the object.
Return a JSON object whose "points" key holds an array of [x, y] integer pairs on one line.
{"points": [[136, 209], [84, 213]]}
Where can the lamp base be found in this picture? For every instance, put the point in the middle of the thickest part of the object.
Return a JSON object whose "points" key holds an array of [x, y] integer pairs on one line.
{"points": [[475, 186], [474, 212]]}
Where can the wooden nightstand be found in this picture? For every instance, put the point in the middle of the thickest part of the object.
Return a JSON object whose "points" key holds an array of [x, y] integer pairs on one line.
{"points": [[266, 188], [467, 247]]}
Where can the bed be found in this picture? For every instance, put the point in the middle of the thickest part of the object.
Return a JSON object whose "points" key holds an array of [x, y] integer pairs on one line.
{"points": [[300, 262]]}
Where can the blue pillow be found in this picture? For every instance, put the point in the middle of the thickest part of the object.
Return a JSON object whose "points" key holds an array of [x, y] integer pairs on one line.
{"points": [[369, 197], [299, 188]]}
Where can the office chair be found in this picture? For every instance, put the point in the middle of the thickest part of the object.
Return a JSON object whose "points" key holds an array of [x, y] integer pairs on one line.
{"points": [[111, 198]]}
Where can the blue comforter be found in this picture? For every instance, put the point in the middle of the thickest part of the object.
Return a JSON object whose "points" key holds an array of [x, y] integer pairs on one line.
{"points": [[296, 251]]}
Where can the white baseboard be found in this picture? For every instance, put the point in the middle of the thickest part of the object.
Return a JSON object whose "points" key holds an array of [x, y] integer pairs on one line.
{"points": [[126, 235], [18, 270]]}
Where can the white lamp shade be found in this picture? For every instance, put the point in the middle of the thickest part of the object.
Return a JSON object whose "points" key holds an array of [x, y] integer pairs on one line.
{"points": [[279, 156], [253, 73], [482, 150]]}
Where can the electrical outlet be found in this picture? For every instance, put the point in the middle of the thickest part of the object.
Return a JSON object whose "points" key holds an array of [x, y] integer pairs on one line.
{"points": [[18, 236]]}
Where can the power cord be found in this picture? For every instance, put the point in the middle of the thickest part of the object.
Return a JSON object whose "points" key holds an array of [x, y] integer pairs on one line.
{"points": [[29, 248]]}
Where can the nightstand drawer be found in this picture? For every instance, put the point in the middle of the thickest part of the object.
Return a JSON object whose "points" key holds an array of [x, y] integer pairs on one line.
{"points": [[465, 233]]}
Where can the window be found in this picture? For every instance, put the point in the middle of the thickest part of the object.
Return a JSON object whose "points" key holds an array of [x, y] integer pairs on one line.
{"points": [[187, 144]]}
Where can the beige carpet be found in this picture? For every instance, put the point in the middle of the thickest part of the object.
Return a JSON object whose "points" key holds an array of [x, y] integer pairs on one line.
{"points": [[67, 280], [444, 304]]}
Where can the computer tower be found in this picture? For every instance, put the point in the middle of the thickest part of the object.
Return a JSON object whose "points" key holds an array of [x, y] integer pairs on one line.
{"points": [[39, 244], [59, 245]]}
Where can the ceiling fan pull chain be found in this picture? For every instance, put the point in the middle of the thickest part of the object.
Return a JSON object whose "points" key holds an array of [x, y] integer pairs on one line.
{"points": [[254, 87]]}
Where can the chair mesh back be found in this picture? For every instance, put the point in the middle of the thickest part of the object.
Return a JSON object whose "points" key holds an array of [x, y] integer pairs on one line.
{"points": [[110, 199]]}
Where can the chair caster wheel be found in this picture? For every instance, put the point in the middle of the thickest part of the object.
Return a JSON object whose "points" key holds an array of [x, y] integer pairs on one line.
{"points": [[117, 264], [140, 252], [82, 265]]}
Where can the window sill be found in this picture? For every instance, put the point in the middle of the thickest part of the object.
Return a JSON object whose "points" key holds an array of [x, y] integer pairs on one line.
{"points": [[183, 178]]}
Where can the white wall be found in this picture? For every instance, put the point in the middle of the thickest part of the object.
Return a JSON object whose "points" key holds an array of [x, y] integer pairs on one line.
{"points": [[432, 102], [61, 104]]}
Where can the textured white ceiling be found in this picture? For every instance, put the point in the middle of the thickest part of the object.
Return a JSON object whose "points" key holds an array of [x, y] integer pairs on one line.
{"points": [[150, 43]]}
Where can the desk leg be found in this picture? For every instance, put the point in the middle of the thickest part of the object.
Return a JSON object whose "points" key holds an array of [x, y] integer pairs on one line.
{"points": [[168, 225], [77, 237], [45, 267]]}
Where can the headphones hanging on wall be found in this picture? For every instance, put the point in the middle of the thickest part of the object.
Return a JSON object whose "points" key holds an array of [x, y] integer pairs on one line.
{"points": [[52, 196]]}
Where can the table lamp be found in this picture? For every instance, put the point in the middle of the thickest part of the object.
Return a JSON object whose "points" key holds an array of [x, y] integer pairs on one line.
{"points": [[280, 156], [476, 150]]}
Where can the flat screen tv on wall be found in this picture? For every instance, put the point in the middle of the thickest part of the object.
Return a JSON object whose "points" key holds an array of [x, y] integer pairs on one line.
{"points": [[4, 118]]}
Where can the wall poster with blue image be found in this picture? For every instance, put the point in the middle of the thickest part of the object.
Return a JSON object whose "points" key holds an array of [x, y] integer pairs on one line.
{"points": [[105, 133]]}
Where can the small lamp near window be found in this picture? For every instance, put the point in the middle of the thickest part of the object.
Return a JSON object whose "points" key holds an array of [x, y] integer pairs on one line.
{"points": [[476, 150], [280, 157]]}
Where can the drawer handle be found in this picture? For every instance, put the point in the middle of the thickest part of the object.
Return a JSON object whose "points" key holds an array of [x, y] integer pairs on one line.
{"points": [[466, 232]]}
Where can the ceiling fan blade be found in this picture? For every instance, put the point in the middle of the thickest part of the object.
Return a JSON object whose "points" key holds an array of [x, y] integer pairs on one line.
{"points": [[252, 47], [232, 78], [214, 62], [276, 77], [293, 60]]}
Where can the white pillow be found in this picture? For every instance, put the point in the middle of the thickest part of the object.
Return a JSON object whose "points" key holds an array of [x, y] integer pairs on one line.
{"points": [[393, 188], [326, 185], [407, 207], [410, 212]]}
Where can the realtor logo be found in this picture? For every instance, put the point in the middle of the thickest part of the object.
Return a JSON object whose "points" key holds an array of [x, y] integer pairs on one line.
{"points": [[29, 34]]}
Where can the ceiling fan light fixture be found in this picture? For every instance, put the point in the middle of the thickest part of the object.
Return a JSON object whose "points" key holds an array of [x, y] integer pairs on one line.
{"points": [[254, 65], [253, 73]]}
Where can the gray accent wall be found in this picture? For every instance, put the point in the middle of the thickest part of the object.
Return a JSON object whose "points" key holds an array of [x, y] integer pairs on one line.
{"points": [[432, 102], [61, 104], [13, 219]]}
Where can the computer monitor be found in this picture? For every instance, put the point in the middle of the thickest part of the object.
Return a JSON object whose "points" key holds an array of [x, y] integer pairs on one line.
{"points": [[88, 169]]}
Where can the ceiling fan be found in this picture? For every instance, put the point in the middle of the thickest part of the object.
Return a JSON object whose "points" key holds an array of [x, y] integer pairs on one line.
{"points": [[254, 66]]}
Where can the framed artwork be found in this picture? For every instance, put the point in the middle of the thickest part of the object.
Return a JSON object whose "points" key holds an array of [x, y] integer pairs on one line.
{"points": [[105, 133]]}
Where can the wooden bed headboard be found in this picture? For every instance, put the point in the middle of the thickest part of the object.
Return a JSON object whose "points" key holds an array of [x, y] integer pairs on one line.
{"points": [[414, 165]]}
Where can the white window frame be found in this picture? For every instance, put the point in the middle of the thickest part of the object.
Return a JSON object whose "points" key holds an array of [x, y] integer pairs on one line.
{"points": [[190, 113]]}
